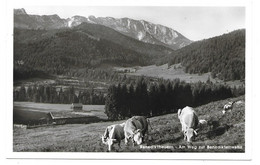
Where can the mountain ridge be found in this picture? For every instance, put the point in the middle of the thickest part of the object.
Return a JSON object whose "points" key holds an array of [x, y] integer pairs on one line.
{"points": [[91, 44], [84, 46], [138, 29]]}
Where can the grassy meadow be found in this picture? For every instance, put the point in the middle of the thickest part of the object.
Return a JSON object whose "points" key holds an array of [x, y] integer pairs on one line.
{"points": [[25, 111], [221, 134], [173, 72]]}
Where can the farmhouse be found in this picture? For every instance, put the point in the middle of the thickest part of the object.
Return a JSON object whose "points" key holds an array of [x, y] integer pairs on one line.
{"points": [[76, 106]]}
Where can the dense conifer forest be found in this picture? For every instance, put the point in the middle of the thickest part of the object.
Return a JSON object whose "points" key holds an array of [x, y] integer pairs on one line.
{"points": [[223, 56]]}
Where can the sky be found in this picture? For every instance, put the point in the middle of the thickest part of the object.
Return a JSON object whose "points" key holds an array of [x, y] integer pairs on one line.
{"points": [[195, 23]]}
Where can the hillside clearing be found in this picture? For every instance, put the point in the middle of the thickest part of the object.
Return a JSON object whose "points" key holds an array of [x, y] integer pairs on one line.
{"points": [[172, 72], [222, 134]]}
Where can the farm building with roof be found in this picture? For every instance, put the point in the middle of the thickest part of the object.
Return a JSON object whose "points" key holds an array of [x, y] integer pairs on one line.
{"points": [[77, 106]]}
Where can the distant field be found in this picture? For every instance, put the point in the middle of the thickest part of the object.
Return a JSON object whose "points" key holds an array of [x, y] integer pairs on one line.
{"points": [[24, 111], [64, 82], [55, 107], [222, 131], [173, 72]]}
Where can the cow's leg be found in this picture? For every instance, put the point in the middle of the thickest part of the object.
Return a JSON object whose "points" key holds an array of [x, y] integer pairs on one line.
{"points": [[126, 140], [143, 136], [185, 137], [182, 127], [119, 144], [133, 141], [145, 133], [109, 147]]}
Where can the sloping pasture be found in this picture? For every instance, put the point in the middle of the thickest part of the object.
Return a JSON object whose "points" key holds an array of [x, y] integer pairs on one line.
{"points": [[221, 134]]}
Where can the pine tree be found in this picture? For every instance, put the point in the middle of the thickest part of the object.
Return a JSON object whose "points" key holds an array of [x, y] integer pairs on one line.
{"points": [[130, 100], [29, 93], [22, 94], [153, 100], [123, 101], [111, 106]]}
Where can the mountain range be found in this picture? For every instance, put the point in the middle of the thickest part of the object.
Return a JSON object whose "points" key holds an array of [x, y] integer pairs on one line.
{"points": [[53, 45], [85, 46], [138, 29]]}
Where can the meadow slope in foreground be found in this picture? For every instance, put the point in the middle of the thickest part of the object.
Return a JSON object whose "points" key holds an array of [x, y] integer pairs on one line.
{"points": [[221, 134]]}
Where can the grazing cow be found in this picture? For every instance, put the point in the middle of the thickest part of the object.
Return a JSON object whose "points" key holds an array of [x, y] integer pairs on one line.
{"points": [[240, 102], [202, 122], [189, 121], [135, 129], [113, 134], [227, 107]]}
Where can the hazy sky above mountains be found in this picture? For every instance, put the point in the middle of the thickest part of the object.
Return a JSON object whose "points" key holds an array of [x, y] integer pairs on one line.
{"points": [[195, 23]]}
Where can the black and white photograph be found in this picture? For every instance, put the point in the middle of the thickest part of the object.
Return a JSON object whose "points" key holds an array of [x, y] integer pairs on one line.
{"points": [[129, 79]]}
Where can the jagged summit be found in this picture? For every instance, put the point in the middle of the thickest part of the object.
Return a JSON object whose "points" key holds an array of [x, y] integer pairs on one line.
{"points": [[19, 11], [139, 29]]}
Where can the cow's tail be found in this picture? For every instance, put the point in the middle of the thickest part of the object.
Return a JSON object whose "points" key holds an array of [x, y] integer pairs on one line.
{"points": [[149, 123]]}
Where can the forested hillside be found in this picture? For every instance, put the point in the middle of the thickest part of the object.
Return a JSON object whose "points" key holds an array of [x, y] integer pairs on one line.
{"points": [[223, 56], [68, 49], [86, 46], [90, 46]]}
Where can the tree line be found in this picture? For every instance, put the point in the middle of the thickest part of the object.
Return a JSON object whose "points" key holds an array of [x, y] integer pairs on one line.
{"points": [[165, 96], [50, 94]]}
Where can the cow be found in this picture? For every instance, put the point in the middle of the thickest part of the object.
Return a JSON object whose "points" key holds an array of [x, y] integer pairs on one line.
{"points": [[189, 121], [227, 107], [113, 134], [202, 122], [135, 129]]}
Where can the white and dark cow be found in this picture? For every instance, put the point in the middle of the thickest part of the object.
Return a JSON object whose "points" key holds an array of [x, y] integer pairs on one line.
{"points": [[113, 134], [228, 107], [189, 122], [135, 129]]}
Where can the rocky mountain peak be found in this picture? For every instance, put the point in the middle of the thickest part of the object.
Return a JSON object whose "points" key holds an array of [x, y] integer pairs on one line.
{"points": [[20, 11], [139, 29]]}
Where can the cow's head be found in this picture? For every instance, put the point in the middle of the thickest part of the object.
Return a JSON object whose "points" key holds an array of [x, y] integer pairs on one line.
{"points": [[138, 137], [190, 134]]}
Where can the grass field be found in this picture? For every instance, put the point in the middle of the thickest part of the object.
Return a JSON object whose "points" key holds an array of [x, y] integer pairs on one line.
{"points": [[54, 107], [173, 72], [222, 134], [24, 111]]}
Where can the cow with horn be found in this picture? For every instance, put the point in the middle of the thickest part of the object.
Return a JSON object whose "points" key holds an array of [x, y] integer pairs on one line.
{"points": [[135, 129], [113, 134]]}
